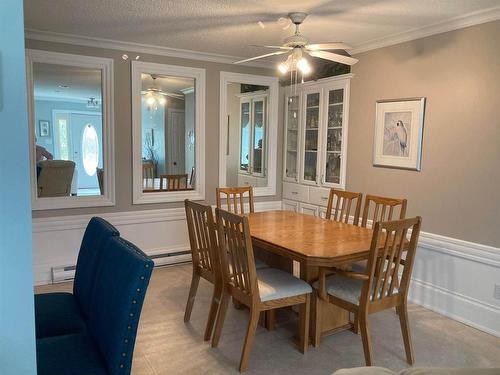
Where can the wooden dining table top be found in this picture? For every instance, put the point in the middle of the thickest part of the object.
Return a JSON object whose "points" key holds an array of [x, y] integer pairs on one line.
{"points": [[308, 239]]}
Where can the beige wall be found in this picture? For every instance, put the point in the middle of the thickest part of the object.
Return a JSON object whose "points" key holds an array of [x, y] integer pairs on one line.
{"points": [[123, 125], [457, 192]]}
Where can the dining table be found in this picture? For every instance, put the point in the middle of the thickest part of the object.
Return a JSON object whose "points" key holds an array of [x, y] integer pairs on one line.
{"points": [[313, 242]]}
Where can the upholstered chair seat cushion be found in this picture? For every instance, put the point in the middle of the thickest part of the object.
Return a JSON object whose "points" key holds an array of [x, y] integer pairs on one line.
{"points": [[275, 284], [69, 355], [57, 314], [343, 287], [260, 264]]}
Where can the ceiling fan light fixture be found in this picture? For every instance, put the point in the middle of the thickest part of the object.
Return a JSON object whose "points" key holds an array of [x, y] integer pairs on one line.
{"points": [[283, 67], [303, 66], [162, 100]]}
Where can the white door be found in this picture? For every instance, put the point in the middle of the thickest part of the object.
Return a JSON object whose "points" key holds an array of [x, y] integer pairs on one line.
{"points": [[86, 145], [175, 142]]}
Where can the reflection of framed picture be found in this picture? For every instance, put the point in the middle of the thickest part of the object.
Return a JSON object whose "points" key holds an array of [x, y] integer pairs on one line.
{"points": [[399, 127], [44, 130]]}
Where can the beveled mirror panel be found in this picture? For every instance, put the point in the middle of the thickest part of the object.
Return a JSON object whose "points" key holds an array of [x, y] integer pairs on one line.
{"points": [[70, 129], [166, 106]]}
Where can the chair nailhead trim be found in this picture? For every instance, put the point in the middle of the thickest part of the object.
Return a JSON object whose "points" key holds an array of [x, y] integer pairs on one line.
{"points": [[134, 301], [129, 327], [142, 277], [121, 366], [131, 314], [124, 354], [138, 289], [126, 341]]}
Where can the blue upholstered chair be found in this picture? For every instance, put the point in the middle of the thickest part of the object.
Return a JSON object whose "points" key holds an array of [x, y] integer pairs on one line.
{"points": [[65, 313], [107, 346]]}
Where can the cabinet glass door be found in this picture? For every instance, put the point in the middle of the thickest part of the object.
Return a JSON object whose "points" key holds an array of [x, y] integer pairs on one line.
{"points": [[335, 117], [292, 132], [311, 136], [258, 141], [245, 132]]}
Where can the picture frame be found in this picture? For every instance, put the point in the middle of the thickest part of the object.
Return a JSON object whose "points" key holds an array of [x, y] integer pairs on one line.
{"points": [[44, 128], [399, 129]]}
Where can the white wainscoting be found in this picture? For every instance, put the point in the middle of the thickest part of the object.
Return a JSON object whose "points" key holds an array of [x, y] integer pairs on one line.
{"points": [[56, 240], [457, 279]]}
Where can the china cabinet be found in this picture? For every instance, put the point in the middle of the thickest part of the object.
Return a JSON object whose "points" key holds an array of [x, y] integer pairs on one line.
{"points": [[253, 139], [316, 120]]}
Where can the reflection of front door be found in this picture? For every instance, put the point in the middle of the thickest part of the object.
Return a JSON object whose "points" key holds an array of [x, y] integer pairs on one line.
{"points": [[86, 139], [175, 142]]}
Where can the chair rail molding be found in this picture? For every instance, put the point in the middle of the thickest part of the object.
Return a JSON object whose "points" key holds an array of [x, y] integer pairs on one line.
{"points": [[56, 240], [260, 80]]}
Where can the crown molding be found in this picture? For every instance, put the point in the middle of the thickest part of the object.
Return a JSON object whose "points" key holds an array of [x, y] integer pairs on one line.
{"points": [[50, 36], [460, 22]]}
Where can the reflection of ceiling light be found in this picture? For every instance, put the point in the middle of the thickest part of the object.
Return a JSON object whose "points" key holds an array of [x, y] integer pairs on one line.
{"points": [[92, 103], [64, 86], [154, 96]]}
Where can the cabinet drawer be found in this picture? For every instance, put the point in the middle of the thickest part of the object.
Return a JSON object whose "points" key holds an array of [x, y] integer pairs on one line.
{"points": [[244, 180], [295, 192], [319, 196], [290, 206], [308, 209]]}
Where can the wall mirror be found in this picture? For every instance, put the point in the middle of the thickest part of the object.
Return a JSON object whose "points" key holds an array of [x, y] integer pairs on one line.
{"points": [[248, 128], [167, 132], [70, 130]]}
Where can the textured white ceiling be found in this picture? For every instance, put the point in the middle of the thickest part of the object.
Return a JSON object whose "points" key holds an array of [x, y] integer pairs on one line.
{"points": [[77, 83], [229, 26]]}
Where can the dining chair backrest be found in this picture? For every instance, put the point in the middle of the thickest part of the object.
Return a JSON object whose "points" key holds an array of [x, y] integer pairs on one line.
{"points": [[383, 209], [122, 276], [203, 239], [234, 199], [173, 181], [236, 255], [388, 271], [93, 244], [344, 202], [148, 175]]}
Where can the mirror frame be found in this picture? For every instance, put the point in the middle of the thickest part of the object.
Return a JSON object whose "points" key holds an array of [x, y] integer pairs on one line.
{"points": [[198, 74], [272, 105], [105, 65]]}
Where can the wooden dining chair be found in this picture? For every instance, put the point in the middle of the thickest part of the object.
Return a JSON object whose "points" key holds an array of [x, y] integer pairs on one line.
{"points": [[148, 175], [234, 199], [203, 240], [344, 202], [173, 181], [259, 290], [383, 209], [384, 285]]}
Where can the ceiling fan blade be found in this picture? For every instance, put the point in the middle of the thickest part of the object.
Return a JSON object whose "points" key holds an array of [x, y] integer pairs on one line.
{"points": [[260, 57], [334, 57], [337, 45], [277, 47]]}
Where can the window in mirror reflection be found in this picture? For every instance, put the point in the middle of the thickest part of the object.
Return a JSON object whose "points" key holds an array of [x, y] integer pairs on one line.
{"points": [[247, 135], [168, 133], [68, 130]]}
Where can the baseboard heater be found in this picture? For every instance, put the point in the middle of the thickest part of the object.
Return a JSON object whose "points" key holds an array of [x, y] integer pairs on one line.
{"points": [[63, 274]]}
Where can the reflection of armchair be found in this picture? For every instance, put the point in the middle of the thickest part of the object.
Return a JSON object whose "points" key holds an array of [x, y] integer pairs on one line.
{"points": [[55, 178]]}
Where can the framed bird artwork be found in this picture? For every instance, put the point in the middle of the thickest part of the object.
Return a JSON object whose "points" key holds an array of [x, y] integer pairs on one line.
{"points": [[399, 128]]}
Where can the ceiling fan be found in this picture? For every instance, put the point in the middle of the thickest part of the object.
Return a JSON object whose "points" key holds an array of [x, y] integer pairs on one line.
{"points": [[297, 46], [155, 95]]}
